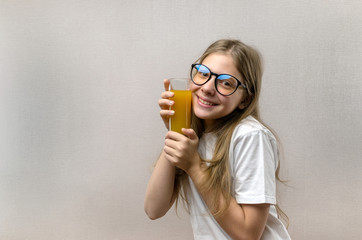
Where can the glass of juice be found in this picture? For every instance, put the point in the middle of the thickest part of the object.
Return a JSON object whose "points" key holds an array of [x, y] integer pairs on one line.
{"points": [[182, 106]]}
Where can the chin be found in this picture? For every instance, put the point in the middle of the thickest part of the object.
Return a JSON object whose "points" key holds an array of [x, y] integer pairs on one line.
{"points": [[202, 116]]}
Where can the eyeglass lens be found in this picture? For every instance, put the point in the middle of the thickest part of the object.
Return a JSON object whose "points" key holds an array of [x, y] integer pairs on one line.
{"points": [[225, 84]]}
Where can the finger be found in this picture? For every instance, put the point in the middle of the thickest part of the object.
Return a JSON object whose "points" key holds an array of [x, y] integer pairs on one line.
{"points": [[167, 150], [190, 133], [175, 136], [167, 94], [167, 113], [165, 103], [168, 155], [170, 144], [166, 84], [170, 152]]}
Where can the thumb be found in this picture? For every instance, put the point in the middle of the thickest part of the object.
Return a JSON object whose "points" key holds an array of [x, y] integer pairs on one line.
{"points": [[166, 84], [190, 133]]}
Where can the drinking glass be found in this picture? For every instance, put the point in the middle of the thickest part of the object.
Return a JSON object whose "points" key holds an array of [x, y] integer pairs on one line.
{"points": [[182, 106]]}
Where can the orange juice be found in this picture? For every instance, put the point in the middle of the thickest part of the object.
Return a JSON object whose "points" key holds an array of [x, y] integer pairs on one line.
{"points": [[182, 108]]}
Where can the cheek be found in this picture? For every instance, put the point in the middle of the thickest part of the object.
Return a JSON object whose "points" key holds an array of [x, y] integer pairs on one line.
{"points": [[231, 103], [193, 87]]}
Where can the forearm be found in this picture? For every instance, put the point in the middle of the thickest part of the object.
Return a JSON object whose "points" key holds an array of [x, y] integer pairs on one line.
{"points": [[238, 221], [160, 190]]}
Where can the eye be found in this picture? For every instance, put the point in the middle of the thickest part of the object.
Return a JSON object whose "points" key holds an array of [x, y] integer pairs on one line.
{"points": [[203, 74], [226, 81], [202, 71]]}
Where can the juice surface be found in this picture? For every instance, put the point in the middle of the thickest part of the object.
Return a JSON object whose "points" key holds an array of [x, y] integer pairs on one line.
{"points": [[182, 108]]}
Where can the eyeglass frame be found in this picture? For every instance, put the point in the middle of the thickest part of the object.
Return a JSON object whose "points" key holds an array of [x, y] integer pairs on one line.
{"points": [[216, 76]]}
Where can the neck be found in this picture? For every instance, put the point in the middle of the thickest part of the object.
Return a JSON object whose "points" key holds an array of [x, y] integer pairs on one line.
{"points": [[208, 124]]}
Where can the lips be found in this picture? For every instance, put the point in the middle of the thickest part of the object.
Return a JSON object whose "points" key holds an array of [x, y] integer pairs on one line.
{"points": [[205, 103]]}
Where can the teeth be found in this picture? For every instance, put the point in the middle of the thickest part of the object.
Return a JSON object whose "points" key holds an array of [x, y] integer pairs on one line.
{"points": [[207, 103]]}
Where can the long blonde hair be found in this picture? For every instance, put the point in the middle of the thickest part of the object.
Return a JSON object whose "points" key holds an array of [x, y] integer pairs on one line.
{"points": [[248, 62]]}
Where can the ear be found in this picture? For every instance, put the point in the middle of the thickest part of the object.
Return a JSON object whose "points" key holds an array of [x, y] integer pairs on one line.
{"points": [[245, 102]]}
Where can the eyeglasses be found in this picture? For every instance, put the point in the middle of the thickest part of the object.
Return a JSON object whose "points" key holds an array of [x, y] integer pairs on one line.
{"points": [[225, 84]]}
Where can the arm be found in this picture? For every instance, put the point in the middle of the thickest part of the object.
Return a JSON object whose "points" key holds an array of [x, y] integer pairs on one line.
{"points": [[160, 194]]}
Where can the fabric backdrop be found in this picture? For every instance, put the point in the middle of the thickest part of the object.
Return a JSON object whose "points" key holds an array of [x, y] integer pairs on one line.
{"points": [[79, 120]]}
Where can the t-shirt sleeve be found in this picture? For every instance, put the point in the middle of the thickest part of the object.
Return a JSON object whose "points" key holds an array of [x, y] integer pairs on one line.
{"points": [[255, 161]]}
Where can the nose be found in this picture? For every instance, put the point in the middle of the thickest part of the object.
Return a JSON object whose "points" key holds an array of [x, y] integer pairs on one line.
{"points": [[209, 87]]}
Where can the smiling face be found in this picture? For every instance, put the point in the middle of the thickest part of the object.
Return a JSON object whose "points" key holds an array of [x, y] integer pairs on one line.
{"points": [[208, 104]]}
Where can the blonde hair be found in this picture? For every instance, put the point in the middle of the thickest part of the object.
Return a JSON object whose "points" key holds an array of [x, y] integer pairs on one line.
{"points": [[249, 63]]}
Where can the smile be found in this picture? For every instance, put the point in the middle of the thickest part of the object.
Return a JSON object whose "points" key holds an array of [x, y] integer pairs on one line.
{"points": [[204, 102]]}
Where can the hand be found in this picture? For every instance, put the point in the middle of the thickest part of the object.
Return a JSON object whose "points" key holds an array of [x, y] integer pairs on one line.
{"points": [[181, 150], [165, 103]]}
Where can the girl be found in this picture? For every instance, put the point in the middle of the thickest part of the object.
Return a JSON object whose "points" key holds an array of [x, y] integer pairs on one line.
{"points": [[225, 167]]}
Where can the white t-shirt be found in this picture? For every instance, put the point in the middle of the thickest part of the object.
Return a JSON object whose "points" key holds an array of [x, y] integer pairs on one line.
{"points": [[253, 160]]}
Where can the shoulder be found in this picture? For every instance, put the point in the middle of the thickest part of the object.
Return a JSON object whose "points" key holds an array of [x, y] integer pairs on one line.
{"points": [[250, 128], [252, 140]]}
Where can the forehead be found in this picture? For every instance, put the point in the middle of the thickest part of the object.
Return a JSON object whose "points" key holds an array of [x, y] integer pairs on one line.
{"points": [[221, 63]]}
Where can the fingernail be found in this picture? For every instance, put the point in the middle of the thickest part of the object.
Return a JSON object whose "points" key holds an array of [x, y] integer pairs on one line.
{"points": [[171, 102], [172, 112]]}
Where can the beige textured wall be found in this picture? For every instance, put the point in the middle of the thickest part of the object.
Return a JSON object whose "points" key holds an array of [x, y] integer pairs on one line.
{"points": [[79, 123]]}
